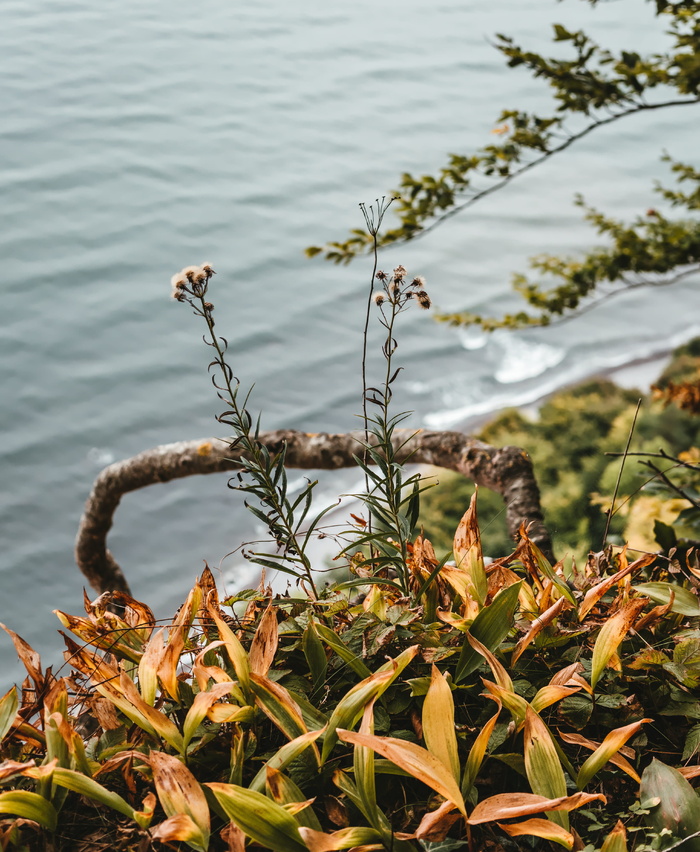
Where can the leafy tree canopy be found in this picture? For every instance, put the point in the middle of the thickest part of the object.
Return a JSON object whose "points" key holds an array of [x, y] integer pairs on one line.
{"points": [[592, 87]]}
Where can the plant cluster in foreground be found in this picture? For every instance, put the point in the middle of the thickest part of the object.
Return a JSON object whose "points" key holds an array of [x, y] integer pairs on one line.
{"points": [[514, 699]]}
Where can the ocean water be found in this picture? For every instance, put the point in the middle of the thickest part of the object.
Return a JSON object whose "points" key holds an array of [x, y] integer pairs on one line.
{"points": [[137, 138]]}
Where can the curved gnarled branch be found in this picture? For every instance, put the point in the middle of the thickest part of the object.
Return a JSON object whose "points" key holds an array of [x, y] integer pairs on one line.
{"points": [[506, 470]]}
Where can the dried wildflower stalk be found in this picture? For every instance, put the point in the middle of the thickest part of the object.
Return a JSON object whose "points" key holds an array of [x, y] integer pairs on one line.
{"points": [[263, 474]]}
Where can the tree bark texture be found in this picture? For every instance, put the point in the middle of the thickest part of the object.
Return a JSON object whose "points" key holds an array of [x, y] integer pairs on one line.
{"points": [[506, 470]]}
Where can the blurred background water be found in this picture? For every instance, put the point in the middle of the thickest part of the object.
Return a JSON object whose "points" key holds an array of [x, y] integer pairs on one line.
{"points": [[141, 137]]}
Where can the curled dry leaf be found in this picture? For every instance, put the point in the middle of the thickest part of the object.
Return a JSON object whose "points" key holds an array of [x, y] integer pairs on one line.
{"points": [[540, 828], [264, 645], [594, 594], [436, 824], [538, 625], [180, 794], [412, 759], [29, 657], [512, 805]]}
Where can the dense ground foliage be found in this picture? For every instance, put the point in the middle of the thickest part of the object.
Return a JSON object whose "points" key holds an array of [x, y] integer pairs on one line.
{"points": [[518, 699]]}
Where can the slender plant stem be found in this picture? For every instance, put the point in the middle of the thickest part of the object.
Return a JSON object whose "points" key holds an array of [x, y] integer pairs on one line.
{"points": [[611, 510]]}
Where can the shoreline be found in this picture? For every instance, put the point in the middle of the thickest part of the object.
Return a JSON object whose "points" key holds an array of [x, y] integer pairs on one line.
{"points": [[637, 374]]}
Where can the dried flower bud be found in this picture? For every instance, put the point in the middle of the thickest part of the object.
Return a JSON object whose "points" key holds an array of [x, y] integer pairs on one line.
{"points": [[378, 298], [208, 307], [208, 269], [381, 275], [190, 271], [400, 273], [423, 299], [419, 282]]}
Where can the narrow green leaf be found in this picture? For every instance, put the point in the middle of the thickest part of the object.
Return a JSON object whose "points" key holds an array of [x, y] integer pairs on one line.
{"points": [[439, 722], [283, 757], [611, 635], [612, 743], [490, 627], [90, 788], [352, 705], [477, 752], [261, 819], [28, 805], [341, 649], [544, 771], [8, 710], [278, 705], [685, 603]]}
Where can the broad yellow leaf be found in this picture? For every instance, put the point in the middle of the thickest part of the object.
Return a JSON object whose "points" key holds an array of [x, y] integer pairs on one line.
{"points": [[157, 721], [548, 695], [84, 786], [344, 838], [261, 819], [514, 703], [542, 764], [612, 743], [540, 828], [204, 673], [513, 805], [170, 660], [438, 720], [223, 713], [234, 649], [149, 665], [413, 759], [611, 635], [179, 827], [200, 707], [264, 645], [468, 554], [363, 765], [616, 841], [285, 792], [179, 793], [502, 677]]}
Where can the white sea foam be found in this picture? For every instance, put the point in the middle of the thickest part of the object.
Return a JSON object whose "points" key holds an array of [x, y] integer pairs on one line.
{"points": [[524, 360], [472, 337], [100, 457]]}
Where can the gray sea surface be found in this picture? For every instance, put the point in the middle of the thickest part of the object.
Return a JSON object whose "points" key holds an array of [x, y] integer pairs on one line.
{"points": [[141, 137]]}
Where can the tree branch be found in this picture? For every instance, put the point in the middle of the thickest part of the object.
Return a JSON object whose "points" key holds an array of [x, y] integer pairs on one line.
{"points": [[507, 471], [526, 167]]}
